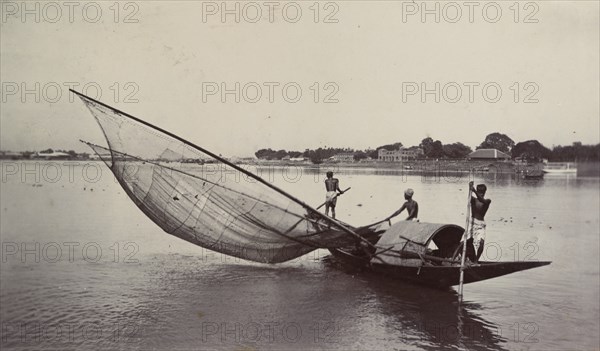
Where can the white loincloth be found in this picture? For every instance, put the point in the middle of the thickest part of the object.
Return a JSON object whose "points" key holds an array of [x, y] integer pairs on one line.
{"points": [[477, 232], [331, 197]]}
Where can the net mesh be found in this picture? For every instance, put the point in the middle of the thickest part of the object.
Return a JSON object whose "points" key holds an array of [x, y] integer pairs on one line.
{"points": [[197, 196]]}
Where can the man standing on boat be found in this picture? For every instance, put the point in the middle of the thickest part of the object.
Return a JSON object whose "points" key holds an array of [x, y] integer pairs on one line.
{"points": [[332, 185], [411, 206], [479, 207]]}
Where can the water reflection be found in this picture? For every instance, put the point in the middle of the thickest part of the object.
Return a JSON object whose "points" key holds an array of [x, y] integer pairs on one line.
{"points": [[303, 306], [435, 316]]}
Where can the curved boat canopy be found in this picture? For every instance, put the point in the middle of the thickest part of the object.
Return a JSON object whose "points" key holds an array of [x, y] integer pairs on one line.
{"points": [[416, 238]]}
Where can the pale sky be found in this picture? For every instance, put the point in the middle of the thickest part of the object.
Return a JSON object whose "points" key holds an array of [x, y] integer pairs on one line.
{"points": [[375, 53]]}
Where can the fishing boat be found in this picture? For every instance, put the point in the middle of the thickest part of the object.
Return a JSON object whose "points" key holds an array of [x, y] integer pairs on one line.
{"points": [[560, 168], [427, 254], [223, 207]]}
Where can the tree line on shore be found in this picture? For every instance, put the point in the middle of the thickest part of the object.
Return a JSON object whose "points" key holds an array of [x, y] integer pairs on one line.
{"points": [[529, 150], [69, 154]]}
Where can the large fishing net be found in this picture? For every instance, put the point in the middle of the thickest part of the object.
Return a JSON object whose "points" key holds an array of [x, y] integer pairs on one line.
{"points": [[202, 198]]}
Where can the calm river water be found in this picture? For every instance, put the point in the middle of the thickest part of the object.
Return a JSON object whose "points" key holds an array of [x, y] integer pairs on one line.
{"points": [[83, 268]]}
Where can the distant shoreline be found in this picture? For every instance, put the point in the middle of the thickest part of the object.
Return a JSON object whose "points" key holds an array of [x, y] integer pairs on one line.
{"points": [[591, 169], [441, 167]]}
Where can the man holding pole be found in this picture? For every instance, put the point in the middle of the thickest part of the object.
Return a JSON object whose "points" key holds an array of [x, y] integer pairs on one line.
{"points": [[475, 230], [332, 185], [479, 207], [411, 206]]}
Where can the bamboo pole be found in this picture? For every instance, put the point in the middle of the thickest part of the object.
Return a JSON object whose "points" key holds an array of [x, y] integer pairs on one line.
{"points": [[321, 205], [336, 195], [464, 251]]}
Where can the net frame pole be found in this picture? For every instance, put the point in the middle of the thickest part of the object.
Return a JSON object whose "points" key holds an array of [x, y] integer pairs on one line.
{"points": [[221, 159]]}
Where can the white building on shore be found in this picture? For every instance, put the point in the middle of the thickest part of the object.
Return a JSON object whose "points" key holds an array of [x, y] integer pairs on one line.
{"points": [[400, 155], [54, 155], [343, 157]]}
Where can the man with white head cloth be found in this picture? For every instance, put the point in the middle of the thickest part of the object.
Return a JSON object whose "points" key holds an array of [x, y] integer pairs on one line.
{"points": [[410, 205]]}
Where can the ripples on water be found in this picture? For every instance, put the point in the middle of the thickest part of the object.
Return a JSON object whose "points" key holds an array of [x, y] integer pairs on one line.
{"points": [[154, 291]]}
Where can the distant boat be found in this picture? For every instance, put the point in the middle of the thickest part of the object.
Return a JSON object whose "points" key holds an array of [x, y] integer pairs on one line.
{"points": [[426, 254], [533, 174], [560, 168]]}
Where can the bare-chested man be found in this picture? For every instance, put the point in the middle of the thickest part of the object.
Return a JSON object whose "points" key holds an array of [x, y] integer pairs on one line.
{"points": [[333, 187], [411, 206], [479, 207]]}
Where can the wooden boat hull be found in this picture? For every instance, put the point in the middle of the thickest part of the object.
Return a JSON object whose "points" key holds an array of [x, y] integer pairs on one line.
{"points": [[437, 276]]}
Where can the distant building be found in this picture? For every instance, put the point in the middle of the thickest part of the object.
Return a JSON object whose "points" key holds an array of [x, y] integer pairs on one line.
{"points": [[55, 155], [400, 155], [297, 159], [343, 157], [488, 155], [10, 155]]}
